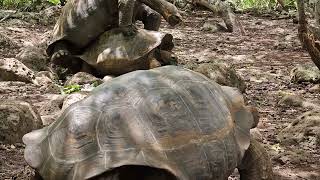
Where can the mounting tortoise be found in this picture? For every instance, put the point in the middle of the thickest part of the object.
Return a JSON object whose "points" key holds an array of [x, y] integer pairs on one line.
{"points": [[170, 121], [82, 21]]}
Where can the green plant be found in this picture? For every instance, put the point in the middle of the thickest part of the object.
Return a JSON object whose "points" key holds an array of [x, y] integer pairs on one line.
{"points": [[263, 4], [15, 3], [55, 2], [95, 84], [71, 89]]}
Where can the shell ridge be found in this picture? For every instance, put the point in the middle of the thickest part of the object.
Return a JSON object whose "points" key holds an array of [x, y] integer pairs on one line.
{"points": [[174, 85], [96, 129], [71, 110]]}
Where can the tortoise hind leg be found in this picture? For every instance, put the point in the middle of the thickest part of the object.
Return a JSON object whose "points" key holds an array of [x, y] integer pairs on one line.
{"points": [[255, 163]]}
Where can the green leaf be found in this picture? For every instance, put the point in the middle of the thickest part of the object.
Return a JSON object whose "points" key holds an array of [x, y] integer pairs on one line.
{"points": [[55, 2], [95, 84], [71, 88]]}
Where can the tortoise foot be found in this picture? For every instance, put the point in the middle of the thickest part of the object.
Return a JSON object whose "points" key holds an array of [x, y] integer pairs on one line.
{"points": [[61, 57], [174, 20]]}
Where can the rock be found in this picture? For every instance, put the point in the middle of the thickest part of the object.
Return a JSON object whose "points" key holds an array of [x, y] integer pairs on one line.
{"points": [[212, 27], [52, 109], [107, 78], [292, 157], [284, 93], [16, 119], [44, 78], [47, 74], [191, 65], [13, 70], [34, 58], [19, 90], [6, 41], [291, 100], [222, 74], [315, 89], [52, 11], [48, 119], [51, 88], [53, 106], [305, 74], [72, 98], [304, 131], [82, 78], [181, 4], [50, 14]]}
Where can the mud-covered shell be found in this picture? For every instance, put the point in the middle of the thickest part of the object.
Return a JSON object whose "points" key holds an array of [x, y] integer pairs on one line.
{"points": [[115, 52], [169, 118]]}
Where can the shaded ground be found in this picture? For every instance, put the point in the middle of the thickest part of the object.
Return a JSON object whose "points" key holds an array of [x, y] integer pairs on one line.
{"points": [[263, 57]]}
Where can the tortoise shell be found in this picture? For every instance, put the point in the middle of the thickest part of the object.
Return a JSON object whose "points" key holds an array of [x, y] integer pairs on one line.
{"points": [[168, 117], [116, 53], [82, 21]]}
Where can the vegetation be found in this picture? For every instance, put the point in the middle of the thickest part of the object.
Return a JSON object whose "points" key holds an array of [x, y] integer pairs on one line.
{"points": [[71, 89], [15, 3], [25, 4], [264, 4], [240, 4]]}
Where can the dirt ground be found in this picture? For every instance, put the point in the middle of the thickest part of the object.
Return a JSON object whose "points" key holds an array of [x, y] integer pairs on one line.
{"points": [[263, 56]]}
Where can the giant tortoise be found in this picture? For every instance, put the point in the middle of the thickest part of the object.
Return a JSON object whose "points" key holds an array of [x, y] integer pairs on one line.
{"points": [[115, 53], [170, 121], [82, 21]]}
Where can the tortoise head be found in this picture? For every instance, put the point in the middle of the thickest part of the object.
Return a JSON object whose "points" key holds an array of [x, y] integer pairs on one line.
{"points": [[33, 153], [244, 116]]}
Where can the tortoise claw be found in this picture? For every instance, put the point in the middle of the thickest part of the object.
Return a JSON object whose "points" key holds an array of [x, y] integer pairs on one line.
{"points": [[60, 57]]}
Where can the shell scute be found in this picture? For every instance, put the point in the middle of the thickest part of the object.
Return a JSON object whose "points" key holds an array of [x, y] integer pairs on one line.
{"points": [[74, 138]]}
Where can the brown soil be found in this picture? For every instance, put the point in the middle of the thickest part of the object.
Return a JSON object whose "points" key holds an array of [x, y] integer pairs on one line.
{"points": [[263, 57]]}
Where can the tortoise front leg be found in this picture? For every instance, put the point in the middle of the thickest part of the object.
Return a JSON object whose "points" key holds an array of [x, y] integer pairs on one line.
{"points": [[149, 17], [255, 163], [166, 9], [126, 12], [222, 9]]}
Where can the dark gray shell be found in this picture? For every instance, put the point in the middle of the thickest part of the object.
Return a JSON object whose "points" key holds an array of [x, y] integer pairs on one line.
{"points": [[169, 117], [116, 53], [83, 21]]}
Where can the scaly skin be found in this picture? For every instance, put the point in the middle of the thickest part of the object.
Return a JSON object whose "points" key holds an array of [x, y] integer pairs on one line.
{"points": [[166, 9], [256, 163], [126, 8]]}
